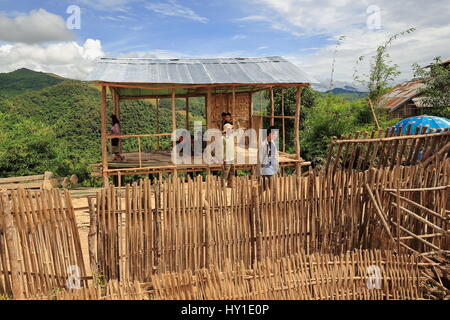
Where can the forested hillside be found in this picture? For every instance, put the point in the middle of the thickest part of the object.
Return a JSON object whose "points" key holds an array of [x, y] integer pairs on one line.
{"points": [[23, 80], [58, 129]]}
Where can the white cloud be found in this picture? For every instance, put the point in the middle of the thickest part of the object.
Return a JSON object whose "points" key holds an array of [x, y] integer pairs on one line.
{"points": [[37, 26], [253, 18], [331, 18], [161, 54], [239, 37], [172, 8], [107, 5], [67, 59]]}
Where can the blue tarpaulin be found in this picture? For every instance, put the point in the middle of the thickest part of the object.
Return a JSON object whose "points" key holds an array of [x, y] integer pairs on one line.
{"points": [[431, 122]]}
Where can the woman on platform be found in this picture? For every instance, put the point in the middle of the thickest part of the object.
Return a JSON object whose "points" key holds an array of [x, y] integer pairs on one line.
{"points": [[115, 143]]}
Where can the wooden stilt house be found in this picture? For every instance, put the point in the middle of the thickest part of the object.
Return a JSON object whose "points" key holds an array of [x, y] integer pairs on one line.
{"points": [[226, 84]]}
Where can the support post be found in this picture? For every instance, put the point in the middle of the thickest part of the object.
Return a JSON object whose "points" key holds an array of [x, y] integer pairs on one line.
{"points": [[233, 102], [283, 120], [250, 112], [187, 113], [272, 108], [9, 233], [298, 95], [174, 116], [158, 145], [103, 138], [92, 236], [208, 107]]}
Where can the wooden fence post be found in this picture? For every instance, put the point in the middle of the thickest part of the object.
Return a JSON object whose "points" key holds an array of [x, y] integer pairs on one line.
{"points": [[256, 225], [157, 224], [13, 262], [92, 236]]}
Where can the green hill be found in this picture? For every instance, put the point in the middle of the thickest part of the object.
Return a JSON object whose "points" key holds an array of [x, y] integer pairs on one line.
{"points": [[66, 116], [23, 80], [350, 95]]}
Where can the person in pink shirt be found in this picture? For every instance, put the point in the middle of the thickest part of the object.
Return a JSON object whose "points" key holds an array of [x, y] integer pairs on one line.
{"points": [[116, 131]]}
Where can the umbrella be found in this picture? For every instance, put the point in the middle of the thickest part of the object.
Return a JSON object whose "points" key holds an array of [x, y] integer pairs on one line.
{"points": [[431, 122]]}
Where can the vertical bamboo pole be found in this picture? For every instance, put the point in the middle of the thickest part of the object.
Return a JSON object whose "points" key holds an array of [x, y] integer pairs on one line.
{"points": [[250, 112], [103, 139], [92, 236], [272, 108], [187, 113], [158, 145], [174, 116], [283, 120], [117, 112], [140, 152], [9, 233], [261, 103], [298, 95], [118, 104], [113, 100], [233, 103], [398, 174], [208, 107]]}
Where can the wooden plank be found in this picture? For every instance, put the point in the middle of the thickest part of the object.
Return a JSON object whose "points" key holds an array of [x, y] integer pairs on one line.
{"points": [[20, 179], [15, 186]]}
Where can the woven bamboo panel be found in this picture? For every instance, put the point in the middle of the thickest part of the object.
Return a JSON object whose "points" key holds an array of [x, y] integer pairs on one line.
{"points": [[360, 275], [113, 290]]}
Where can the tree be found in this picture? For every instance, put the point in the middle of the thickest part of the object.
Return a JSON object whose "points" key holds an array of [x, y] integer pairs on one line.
{"points": [[28, 147], [436, 93], [308, 101], [382, 71]]}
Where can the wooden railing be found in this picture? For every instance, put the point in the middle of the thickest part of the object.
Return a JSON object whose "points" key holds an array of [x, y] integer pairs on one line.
{"points": [[139, 137]]}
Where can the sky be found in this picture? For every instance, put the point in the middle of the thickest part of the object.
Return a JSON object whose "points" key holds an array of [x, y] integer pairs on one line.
{"points": [[67, 36]]}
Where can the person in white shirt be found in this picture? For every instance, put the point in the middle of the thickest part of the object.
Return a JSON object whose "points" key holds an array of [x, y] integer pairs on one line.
{"points": [[229, 170], [269, 157]]}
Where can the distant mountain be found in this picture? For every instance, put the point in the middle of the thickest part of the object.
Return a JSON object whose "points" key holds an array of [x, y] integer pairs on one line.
{"points": [[347, 92], [24, 80]]}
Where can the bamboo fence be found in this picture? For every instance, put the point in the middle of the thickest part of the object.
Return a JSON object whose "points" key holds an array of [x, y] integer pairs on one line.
{"points": [[357, 275], [386, 149], [113, 290], [39, 243], [180, 224]]}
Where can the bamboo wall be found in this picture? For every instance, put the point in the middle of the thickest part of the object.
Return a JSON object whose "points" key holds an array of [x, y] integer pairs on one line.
{"points": [[179, 225], [224, 103]]}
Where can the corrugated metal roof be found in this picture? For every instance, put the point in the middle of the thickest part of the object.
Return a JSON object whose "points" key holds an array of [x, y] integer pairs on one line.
{"points": [[199, 71], [401, 94]]}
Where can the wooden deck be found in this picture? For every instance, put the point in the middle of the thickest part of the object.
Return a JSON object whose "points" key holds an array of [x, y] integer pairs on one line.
{"points": [[161, 162]]}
